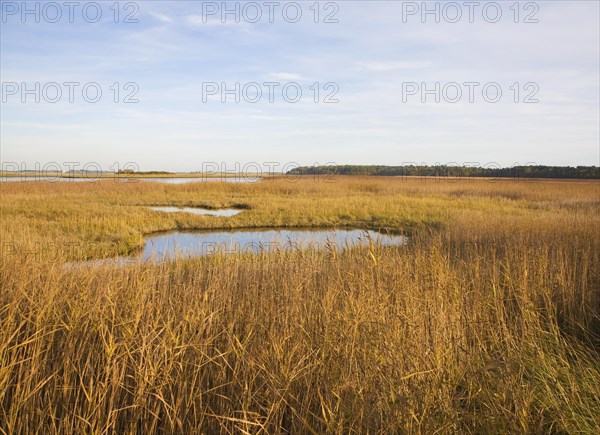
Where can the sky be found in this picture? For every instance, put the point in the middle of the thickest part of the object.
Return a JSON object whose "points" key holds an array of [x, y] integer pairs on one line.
{"points": [[368, 72]]}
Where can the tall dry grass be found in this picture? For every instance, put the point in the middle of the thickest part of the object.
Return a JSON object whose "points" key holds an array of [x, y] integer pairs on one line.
{"points": [[488, 321]]}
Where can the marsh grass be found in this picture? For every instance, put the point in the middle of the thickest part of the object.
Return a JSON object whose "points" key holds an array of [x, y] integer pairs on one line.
{"points": [[487, 322]]}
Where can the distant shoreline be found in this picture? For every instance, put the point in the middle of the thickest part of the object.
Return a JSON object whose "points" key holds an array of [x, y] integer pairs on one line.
{"points": [[408, 171]]}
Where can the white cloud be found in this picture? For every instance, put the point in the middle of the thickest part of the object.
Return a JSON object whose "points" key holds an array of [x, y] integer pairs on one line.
{"points": [[394, 66], [161, 17], [369, 53], [286, 76]]}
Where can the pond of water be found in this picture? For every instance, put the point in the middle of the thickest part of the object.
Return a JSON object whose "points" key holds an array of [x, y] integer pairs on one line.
{"points": [[48, 179], [202, 243], [186, 244], [91, 179], [200, 180], [199, 211]]}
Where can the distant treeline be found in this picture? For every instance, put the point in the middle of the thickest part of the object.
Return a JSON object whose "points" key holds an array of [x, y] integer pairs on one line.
{"points": [[539, 171], [132, 172]]}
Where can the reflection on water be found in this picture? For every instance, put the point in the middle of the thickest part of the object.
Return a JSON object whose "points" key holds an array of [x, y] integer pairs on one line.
{"points": [[199, 211], [5, 179], [186, 244], [202, 243], [200, 180], [91, 179]]}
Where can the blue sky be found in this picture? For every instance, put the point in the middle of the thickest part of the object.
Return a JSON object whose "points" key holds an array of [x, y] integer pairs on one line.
{"points": [[369, 53]]}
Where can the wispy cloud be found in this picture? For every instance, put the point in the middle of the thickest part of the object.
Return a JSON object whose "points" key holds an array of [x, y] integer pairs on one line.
{"points": [[161, 17], [394, 66], [285, 76], [172, 50]]}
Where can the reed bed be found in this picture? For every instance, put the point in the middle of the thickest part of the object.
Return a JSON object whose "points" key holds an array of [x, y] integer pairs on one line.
{"points": [[488, 321]]}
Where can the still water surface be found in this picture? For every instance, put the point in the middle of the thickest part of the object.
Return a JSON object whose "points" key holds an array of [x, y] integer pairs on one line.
{"points": [[201, 180], [199, 211], [201, 243], [187, 244], [92, 179]]}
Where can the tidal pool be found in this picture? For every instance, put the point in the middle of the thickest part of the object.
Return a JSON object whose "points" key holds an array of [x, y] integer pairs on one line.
{"points": [[188, 244], [91, 179], [49, 179], [199, 211], [183, 180], [168, 246]]}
